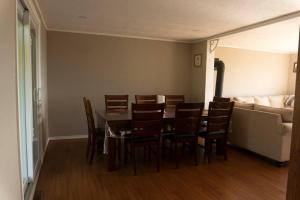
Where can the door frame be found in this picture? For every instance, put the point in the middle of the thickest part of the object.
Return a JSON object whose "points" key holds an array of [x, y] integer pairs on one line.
{"points": [[293, 186]]}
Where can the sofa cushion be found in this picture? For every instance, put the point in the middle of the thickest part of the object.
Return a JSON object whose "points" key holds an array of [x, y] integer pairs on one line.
{"points": [[264, 101], [244, 99], [287, 128], [249, 106], [277, 101], [286, 113]]}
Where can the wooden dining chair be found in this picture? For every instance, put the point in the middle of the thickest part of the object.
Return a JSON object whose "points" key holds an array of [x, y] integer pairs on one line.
{"points": [[187, 124], [218, 120], [145, 99], [116, 103], [95, 135], [173, 100], [221, 99], [147, 121]]}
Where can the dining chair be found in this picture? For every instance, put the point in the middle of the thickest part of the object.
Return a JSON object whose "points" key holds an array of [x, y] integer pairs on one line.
{"points": [[147, 121], [187, 124], [145, 99], [221, 99], [218, 120], [95, 135], [173, 100], [116, 103]]}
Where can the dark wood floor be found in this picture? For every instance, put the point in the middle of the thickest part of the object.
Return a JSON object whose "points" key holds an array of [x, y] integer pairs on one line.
{"points": [[65, 175]]}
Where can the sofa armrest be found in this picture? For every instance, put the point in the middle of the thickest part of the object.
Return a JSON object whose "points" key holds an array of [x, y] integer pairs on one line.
{"points": [[267, 136]]}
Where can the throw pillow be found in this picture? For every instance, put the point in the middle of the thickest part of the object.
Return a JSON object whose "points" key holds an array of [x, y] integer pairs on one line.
{"points": [[244, 99], [277, 101], [289, 101], [263, 101]]}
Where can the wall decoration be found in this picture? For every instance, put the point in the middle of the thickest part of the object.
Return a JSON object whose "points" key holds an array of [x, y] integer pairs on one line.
{"points": [[198, 60]]}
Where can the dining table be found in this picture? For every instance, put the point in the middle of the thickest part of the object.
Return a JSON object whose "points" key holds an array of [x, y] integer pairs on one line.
{"points": [[116, 124]]}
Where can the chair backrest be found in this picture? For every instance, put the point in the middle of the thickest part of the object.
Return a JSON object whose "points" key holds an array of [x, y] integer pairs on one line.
{"points": [[116, 103], [219, 115], [145, 99], [188, 117], [173, 100], [89, 116], [221, 99], [147, 119]]}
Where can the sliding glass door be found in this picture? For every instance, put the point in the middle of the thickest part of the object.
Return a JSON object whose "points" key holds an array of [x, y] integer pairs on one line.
{"points": [[27, 96]]}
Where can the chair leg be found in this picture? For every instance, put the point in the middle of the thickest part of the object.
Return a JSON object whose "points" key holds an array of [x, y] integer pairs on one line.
{"points": [[119, 145], [145, 152], [225, 150], [93, 150], [176, 154], [158, 157], [125, 152], [195, 151], [149, 153], [209, 150], [163, 147], [133, 157], [88, 147], [205, 149]]}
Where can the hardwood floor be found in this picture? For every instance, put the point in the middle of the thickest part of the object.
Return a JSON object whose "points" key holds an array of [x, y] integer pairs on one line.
{"points": [[66, 175]]}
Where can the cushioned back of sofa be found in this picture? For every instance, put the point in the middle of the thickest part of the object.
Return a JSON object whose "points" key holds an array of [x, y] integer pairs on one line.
{"points": [[249, 106], [277, 101], [286, 113]]}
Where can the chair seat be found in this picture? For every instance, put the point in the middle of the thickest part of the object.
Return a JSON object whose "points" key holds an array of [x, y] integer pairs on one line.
{"points": [[168, 134], [183, 136], [142, 139], [205, 133]]}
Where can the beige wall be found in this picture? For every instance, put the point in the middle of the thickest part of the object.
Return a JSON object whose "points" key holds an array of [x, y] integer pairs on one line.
{"points": [[292, 75], [90, 65], [254, 73], [10, 179]]}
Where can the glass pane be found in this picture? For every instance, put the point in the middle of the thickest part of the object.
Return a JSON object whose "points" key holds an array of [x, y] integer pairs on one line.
{"points": [[35, 139]]}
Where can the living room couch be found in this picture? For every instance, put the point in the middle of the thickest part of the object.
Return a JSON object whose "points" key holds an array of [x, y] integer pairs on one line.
{"points": [[263, 125]]}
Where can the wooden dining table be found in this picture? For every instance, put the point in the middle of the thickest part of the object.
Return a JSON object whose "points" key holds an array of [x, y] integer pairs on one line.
{"points": [[118, 122]]}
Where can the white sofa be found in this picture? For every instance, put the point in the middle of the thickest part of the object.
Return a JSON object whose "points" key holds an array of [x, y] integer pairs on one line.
{"points": [[263, 125]]}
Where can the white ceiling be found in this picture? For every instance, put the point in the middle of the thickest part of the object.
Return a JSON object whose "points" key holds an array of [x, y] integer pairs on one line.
{"points": [[161, 19], [280, 37]]}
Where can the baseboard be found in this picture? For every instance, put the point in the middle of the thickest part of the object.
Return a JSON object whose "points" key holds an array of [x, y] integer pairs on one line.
{"points": [[71, 137]]}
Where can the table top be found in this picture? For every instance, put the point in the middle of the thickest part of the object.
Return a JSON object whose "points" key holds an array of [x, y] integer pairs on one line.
{"points": [[126, 116]]}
